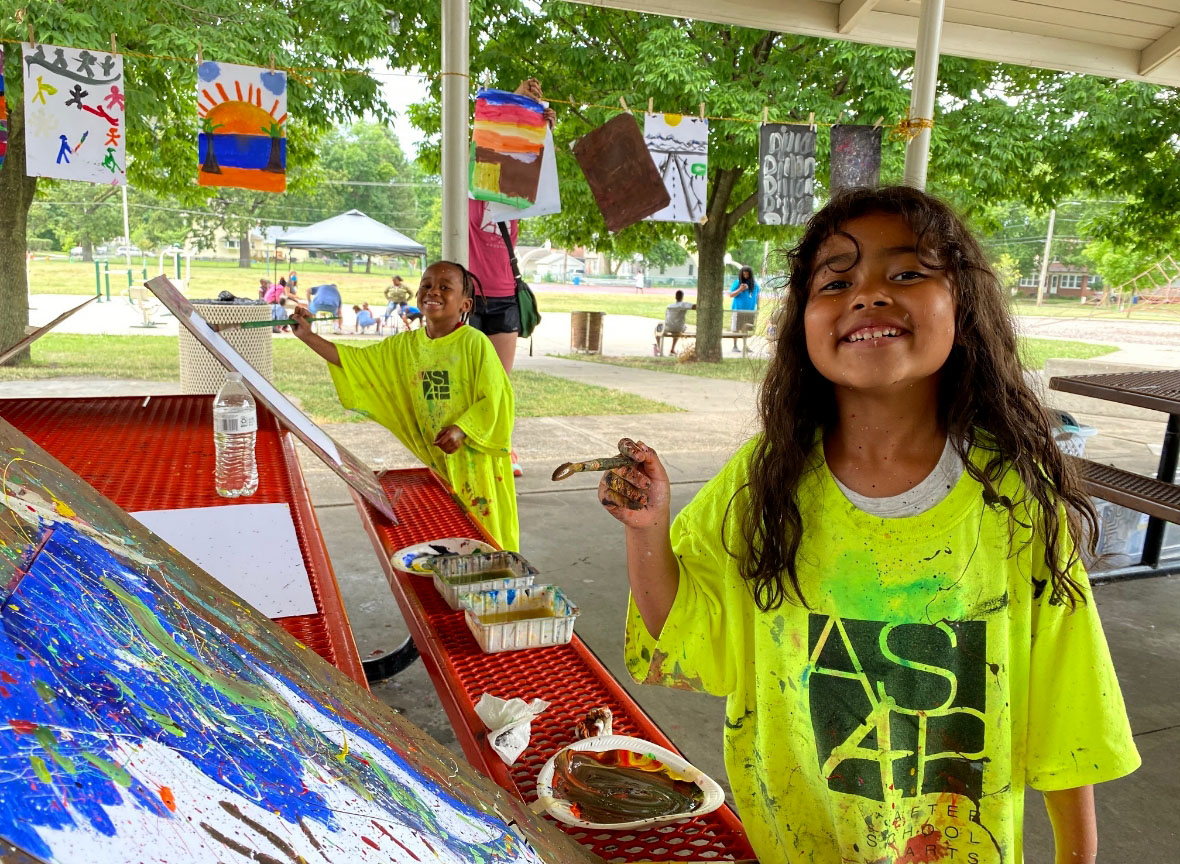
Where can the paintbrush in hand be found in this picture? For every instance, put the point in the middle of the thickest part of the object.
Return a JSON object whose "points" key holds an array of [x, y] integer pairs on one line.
{"points": [[279, 322]]}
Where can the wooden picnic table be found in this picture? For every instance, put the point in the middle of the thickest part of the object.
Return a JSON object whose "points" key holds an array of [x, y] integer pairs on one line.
{"points": [[1159, 497]]}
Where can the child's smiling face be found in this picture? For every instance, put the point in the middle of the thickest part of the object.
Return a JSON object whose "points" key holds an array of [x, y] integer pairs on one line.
{"points": [[877, 318], [440, 298]]}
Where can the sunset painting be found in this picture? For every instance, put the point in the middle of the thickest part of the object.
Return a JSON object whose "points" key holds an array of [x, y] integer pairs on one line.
{"points": [[242, 112]]}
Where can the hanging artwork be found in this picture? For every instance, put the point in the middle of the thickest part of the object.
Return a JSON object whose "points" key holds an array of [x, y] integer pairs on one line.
{"points": [[242, 111], [620, 172], [856, 157], [351, 470], [679, 146], [507, 140], [3, 113], [548, 192], [74, 114], [150, 716], [786, 174]]}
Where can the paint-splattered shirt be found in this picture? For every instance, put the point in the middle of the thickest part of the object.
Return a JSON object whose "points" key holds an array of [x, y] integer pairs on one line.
{"points": [[900, 717], [414, 386]]}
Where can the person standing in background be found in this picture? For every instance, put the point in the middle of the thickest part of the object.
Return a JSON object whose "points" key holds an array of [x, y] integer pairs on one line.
{"points": [[496, 312], [744, 292]]}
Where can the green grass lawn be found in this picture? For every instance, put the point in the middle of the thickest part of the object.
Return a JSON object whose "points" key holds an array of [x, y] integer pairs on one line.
{"points": [[1034, 351], [300, 375], [1065, 308]]}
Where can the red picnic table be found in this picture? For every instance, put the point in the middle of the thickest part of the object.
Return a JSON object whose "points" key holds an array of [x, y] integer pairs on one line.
{"points": [[569, 677], [157, 453]]}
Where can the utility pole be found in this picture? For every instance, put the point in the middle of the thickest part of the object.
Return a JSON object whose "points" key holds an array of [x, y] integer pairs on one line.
{"points": [[1045, 258]]}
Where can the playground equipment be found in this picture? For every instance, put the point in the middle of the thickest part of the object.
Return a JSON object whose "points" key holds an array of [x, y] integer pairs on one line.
{"points": [[1135, 293]]}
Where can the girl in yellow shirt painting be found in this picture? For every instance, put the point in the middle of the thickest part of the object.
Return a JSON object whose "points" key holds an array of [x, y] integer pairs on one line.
{"points": [[885, 583], [441, 390]]}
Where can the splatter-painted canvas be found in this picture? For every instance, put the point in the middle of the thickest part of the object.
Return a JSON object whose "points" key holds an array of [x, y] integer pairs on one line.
{"points": [[856, 156], [507, 140], [679, 145], [548, 191], [786, 174], [620, 172], [3, 113], [75, 114], [150, 716], [351, 470], [242, 111]]}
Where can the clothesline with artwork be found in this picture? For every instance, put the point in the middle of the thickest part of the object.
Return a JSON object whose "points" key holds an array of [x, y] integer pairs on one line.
{"points": [[75, 112], [74, 100]]}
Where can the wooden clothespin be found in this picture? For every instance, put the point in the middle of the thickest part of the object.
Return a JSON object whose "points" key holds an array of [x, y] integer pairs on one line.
{"points": [[702, 110], [651, 105], [839, 117], [877, 125], [114, 50], [199, 60], [811, 120], [32, 42], [272, 62], [765, 115], [623, 102]]}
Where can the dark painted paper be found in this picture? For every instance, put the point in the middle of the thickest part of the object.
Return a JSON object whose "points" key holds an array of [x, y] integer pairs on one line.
{"points": [[786, 174], [856, 157], [622, 175]]}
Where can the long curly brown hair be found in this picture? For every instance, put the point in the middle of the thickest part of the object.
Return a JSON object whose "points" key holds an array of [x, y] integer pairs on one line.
{"points": [[984, 401]]}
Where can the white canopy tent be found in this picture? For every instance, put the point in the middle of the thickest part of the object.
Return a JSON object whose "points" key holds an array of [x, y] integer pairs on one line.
{"points": [[352, 232], [1109, 38]]}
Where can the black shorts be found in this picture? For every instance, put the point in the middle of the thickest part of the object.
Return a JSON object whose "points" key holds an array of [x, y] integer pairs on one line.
{"points": [[492, 315]]}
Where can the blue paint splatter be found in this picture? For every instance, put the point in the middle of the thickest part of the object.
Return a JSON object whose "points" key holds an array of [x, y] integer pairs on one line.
{"points": [[208, 71]]}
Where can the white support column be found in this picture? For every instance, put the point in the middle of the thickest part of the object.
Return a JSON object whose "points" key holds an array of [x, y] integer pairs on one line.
{"points": [[455, 92], [917, 151]]}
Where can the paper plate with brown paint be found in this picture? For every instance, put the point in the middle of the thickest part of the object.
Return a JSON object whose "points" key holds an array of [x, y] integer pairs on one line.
{"points": [[615, 782]]}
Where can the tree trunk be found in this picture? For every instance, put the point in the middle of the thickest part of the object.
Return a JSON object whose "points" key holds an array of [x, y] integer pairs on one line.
{"points": [[368, 264], [244, 249], [350, 256], [87, 249], [711, 239], [16, 191]]}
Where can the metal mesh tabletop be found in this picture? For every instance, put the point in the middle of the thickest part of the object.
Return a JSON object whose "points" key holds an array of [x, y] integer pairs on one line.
{"points": [[1157, 391], [569, 677], [160, 455]]}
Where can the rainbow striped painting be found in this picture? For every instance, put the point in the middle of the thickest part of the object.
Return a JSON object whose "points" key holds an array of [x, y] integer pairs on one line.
{"points": [[506, 146]]}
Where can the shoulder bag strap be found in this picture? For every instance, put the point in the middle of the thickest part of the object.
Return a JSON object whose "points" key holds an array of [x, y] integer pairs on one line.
{"points": [[511, 250]]}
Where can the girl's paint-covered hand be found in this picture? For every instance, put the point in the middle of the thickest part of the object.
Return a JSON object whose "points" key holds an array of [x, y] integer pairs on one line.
{"points": [[449, 439], [647, 478]]}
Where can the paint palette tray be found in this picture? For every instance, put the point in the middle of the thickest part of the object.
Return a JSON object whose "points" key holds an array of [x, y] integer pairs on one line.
{"points": [[513, 619], [470, 574]]}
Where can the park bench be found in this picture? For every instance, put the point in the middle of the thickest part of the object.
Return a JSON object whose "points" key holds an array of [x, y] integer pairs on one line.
{"points": [[144, 302], [743, 335]]}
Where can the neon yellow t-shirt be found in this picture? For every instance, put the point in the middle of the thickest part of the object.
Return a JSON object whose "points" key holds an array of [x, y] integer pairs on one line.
{"points": [[414, 386], [900, 717]]}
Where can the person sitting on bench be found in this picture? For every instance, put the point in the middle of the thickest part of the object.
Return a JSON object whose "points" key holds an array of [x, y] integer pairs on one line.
{"points": [[674, 319]]}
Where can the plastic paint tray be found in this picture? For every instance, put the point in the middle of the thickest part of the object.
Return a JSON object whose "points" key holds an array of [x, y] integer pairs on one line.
{"points": [[460, 574], [555, 628]]}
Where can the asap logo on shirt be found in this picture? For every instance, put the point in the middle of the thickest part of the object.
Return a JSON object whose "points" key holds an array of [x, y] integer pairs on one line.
{"points": [[436, 384], [898, 707]]}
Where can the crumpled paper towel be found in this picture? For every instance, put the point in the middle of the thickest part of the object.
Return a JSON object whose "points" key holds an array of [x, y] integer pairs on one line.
{"points": [[510, 723]]}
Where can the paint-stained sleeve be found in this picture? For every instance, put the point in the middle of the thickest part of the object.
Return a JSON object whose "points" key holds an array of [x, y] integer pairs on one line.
{"points": [[699, 646], [370, 381], [487, 422], [1078, 731]]}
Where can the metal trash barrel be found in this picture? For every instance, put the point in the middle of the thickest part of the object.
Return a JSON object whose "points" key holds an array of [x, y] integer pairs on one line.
{"points": [[200, 372], [586, 332]]}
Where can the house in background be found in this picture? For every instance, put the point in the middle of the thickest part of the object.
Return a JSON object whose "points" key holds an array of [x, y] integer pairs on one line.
{"points": [[1063, 280]]}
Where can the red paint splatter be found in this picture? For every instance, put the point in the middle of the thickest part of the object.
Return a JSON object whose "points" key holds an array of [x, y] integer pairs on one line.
{"points": [[924, 847], [381, 828], [6, 678], [4, 692], [168, 799], [370, 842], [404, 849], [24, 727]]}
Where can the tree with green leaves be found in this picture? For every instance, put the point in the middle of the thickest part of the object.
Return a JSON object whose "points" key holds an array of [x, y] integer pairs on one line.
{"points": [[337, 36]]}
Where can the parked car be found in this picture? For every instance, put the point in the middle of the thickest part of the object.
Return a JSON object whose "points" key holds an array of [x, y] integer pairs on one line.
{"points": [[128, 250], [77, 250]]}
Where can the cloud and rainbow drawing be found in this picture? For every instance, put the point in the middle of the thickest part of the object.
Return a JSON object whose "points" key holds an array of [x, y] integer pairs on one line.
{"points": [[507, 142], [243, 119]]}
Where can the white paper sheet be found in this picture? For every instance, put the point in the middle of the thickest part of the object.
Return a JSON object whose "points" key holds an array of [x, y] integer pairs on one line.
{"points": [[251, 549], [548, 191]]}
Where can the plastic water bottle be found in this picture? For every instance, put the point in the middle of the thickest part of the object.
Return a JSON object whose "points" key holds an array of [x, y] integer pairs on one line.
{"points": [[235, 422]]}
